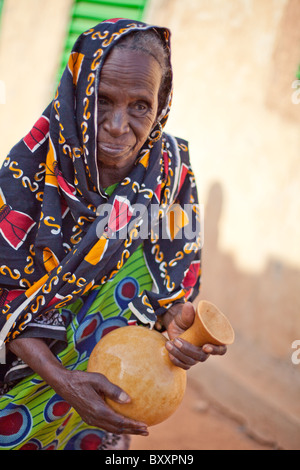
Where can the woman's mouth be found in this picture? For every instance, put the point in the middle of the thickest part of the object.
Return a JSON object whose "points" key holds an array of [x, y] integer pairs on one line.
{"points": [[113, 150]]}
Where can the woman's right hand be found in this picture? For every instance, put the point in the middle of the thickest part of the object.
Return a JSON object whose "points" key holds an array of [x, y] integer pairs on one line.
{"points": [[84, 391]]}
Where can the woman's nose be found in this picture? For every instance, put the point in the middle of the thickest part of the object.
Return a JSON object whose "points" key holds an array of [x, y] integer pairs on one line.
{"points": [[116, 123]]}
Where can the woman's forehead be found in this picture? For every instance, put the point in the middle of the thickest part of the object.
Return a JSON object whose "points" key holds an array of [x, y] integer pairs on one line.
{"points": [[126, 67]]}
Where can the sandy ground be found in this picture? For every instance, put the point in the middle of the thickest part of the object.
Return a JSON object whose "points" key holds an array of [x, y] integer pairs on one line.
{"points": [[197, 425]]}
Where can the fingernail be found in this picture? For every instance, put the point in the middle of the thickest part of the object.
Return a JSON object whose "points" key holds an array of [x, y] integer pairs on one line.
{"points": [[178, 342], [169, 345], [208, 349], [124, 398], [143, 428]]}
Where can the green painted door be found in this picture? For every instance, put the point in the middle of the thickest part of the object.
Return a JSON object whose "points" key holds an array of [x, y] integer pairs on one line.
{"points": [[1, 6], [87, 13]]}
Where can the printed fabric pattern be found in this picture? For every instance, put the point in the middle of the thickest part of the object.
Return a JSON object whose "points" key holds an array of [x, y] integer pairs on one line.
{"points": [[57, 242], [32, 415]]}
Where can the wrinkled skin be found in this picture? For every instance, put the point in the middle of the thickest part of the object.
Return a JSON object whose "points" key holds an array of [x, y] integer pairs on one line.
{"points": [[127, 111]]}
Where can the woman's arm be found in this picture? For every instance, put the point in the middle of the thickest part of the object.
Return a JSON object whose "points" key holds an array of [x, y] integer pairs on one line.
{"points": [[84, 391]]}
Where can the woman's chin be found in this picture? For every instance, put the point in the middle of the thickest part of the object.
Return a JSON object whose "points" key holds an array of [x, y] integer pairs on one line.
{"points": [[116, 156]]}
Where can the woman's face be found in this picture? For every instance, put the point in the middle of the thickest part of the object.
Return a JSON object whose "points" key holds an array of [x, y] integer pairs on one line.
{"points": [[127, 106]]}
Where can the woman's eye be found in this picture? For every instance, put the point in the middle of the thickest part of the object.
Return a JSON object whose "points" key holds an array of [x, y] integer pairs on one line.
{"points": [[102, 101], [140, 107]]}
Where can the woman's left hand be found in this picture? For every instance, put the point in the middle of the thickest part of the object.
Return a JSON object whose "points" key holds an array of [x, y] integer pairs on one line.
{"points": [[183, 354]]}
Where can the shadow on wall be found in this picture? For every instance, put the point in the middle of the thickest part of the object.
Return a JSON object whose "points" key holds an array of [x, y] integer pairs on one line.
{"points": [[257, 381], [264, 307]]}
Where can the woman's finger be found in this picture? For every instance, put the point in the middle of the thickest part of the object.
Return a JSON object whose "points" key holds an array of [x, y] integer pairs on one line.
{"points": [[184, 354], [116, 423], [107, 388], [215, 349], [90, 390]]}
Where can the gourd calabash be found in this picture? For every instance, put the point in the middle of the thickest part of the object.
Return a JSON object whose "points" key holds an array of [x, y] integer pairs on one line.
{"points": [[135, 359]]}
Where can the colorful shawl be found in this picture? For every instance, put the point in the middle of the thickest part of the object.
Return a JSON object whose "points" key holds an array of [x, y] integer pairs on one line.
{"points": [[61, 235]]}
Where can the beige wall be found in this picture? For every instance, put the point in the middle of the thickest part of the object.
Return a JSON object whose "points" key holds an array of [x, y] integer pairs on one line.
{"points": [[234, 64], [224, 70], [245, 152], [32, 35]]}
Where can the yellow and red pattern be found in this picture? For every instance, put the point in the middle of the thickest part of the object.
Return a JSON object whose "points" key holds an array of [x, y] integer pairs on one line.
{"points": [[52, 204]]}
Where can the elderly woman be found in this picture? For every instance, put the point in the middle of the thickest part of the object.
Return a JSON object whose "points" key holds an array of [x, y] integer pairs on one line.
{"points": [[67, 275]]}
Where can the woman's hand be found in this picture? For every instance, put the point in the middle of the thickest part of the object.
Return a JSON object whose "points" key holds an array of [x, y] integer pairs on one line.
{"points": [[183, 354], [84, 391]]}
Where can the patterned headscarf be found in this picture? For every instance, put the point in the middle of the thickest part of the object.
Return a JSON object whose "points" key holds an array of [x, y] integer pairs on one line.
{"points": [[57, 238]]}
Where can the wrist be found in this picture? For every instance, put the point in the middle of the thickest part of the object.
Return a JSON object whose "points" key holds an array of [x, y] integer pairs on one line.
{"points": [[167, 317], [37, 355], [55, 375]]}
